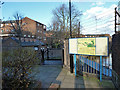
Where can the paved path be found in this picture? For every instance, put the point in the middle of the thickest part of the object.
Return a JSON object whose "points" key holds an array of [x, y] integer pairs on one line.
{"points": [[49, 74]]}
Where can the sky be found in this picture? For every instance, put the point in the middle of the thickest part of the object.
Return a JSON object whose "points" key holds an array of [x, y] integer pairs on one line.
{"points": [[42, 11]]}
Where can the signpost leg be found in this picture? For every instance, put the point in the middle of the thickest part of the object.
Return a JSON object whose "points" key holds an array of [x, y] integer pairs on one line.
{"points": [[100, 68], [75, 63]]}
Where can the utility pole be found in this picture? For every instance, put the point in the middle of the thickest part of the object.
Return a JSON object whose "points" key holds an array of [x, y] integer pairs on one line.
{"points": [[79, 30], [70, 18], [116, 13], [115, 19], [71, 56]]}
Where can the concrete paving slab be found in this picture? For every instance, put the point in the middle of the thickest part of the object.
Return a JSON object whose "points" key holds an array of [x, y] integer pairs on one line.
{"points": [[61, 76], [66, 80], [67, 85]]}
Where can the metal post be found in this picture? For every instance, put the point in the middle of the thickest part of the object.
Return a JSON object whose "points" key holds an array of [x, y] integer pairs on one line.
{"points": [[47, 53], [63, 55], [71, 63], [42, 52], [115, 20], [100, 68], [70, 18], [79, 30], [71, 56], [75, 64]]}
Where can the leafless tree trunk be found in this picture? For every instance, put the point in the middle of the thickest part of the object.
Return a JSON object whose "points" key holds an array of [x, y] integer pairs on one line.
{"points": [[17, 25]]}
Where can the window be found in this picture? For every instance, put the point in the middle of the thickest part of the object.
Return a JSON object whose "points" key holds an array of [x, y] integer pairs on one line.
{"points": [[7, 24], [44, 27], [12, 24], [24, 35], [1, 30], [12, 30], [13, 34], [28, 35], [40, 31], [7, 30], [32, 36], [40, 37], [38, 24], [44, 38], [43, 32], [37, 30], [1, 25], [24, 23]]}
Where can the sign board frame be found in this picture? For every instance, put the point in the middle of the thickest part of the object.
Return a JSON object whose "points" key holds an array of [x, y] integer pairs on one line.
{"points": [[90, 55], [95, 47]]}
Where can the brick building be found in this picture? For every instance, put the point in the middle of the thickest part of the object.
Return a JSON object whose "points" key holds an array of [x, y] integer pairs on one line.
{"points": [[30, 28]]}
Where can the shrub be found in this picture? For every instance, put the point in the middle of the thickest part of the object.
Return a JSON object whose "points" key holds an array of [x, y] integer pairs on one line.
{"points": [[16, 67]]}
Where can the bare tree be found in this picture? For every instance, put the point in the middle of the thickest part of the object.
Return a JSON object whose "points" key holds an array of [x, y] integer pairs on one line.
{"points": [[61, 18], [17, 25], [60, 23]]}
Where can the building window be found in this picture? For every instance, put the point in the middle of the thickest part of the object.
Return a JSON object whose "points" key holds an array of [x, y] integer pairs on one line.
{"points": [[43, 32], [44, 38], [7, 30], [40, 31], [1, 25], [24, 23], [7, 24], [40, 38], [13, 23], [33, 36], [1, 30], [12, 30], [37, 30], [28, 35], [13, 34], [44, 27], [38, 24], [24, 35]]}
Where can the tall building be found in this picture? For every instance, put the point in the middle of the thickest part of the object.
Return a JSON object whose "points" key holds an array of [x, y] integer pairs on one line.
{"points": [[30, 28]]}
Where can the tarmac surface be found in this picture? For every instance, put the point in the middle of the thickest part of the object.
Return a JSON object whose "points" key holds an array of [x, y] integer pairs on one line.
{"points": [[55, 74]]}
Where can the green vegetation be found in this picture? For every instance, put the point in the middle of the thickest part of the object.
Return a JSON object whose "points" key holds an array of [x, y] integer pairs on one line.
{"points": [[17, 65]]}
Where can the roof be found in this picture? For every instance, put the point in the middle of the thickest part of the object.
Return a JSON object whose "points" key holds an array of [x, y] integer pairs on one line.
{"points": [[37, 43], [13, 21], [14, 39], [34, 20]]}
